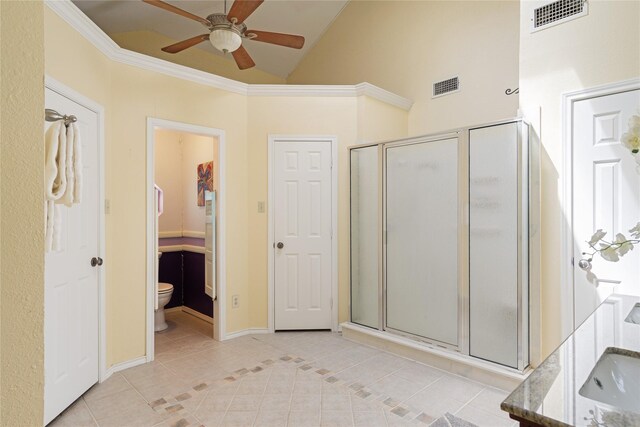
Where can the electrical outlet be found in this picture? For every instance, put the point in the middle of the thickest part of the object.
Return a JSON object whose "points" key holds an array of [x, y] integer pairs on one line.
{"points": [[260, 207], [235, 301]]}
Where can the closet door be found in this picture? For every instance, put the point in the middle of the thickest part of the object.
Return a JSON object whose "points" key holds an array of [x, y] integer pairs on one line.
{"points": [[365, 236], [497, 190], [421, 203]]}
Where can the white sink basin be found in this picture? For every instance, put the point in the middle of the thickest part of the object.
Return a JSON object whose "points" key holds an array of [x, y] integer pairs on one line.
{"points": [[634, 315], [615, 380]]}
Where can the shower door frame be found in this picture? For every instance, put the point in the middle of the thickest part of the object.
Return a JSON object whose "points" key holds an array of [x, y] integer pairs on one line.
{"points": [[528, 290], [463, 239]]}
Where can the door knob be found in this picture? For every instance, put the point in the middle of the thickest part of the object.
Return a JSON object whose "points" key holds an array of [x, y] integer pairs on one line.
{"points": [[280, 245], [96, 261], [584, 264]]}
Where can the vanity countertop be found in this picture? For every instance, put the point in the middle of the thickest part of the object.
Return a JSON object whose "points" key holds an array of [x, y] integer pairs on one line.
{"points": [[550, 396]]}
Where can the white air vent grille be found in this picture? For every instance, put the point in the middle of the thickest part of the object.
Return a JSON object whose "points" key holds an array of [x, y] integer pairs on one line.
{"points": [[446, 86], [558, 12]]}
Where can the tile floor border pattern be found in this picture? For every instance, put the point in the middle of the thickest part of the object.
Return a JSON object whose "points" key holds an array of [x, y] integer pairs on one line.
{"points": [[172, 405]]}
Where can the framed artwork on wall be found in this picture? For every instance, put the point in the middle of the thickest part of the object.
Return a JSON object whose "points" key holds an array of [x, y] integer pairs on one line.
{"points": [[204, 179]]}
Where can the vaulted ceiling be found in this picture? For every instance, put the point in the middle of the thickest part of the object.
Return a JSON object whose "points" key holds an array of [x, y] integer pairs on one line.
{"points": [[309, 18]]}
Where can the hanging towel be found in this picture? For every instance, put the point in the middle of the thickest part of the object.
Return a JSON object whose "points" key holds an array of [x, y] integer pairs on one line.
{"points": [[63, 177], [73, 167]]}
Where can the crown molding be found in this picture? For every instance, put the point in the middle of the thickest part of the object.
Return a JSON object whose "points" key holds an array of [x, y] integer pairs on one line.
{"points": [[90, 31]]}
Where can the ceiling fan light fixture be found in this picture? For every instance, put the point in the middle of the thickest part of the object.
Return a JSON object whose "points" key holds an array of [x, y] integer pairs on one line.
{"points": [[225, 39]]}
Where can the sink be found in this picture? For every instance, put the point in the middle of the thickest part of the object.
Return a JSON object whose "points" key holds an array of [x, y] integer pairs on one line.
{"points": [[615, 380], [634, 315]]}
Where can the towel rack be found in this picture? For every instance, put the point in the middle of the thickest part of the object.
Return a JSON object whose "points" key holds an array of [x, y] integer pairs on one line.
{"points": [[53, 116]]}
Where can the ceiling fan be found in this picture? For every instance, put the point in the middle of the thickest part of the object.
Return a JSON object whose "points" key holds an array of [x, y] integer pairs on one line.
{"points": [[226, 31]]}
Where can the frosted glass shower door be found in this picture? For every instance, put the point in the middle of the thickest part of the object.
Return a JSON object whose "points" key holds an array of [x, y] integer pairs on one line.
{"points": [[497, 243], [422, 240], [365, 236]]}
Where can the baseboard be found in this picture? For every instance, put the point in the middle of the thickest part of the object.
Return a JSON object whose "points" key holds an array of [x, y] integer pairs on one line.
{"points": [[180, 248], [195, 249], [243, 332], [197, 314], [124, 365], [198, 234], [167, 234], [170, 248], [474, 369]]}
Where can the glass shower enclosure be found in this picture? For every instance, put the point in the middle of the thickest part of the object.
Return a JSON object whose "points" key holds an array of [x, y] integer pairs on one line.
{"points": [[439, 240]]}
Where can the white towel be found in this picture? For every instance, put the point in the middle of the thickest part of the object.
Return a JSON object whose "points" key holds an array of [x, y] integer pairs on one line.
{"points": [[63, 177], [73, 168]]}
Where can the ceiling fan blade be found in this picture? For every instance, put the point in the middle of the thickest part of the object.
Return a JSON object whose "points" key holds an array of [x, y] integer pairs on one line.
{"points": [[287, 40], [177, 10], [184, 44], [242, 58], [241, 9]]}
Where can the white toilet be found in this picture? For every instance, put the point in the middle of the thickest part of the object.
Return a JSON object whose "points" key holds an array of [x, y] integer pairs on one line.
{"points": [[165, 290]]}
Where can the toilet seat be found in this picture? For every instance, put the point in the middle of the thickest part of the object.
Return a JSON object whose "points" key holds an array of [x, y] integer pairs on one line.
{"points": [[164, 288]]}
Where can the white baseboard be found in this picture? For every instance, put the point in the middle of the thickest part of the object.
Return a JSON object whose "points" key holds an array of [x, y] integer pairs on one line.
{"points": [[167, 234], [180, 248], [195, 249], [198, 234], [475, 369], [171, 248], [243, 332], [124, 365], [197, 314]]}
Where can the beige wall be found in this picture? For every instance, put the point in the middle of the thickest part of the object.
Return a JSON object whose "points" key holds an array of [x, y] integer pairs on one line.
{"points": [[129, 96], [589, 51], [177, 156], [406, 46], [21, 213], [351, 120], [196, 149], [150, 43], [168, 176]]}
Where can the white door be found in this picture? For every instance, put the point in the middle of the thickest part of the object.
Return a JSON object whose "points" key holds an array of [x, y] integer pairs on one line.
{"points": [[606, 195], [302, 214], [71, 283]]}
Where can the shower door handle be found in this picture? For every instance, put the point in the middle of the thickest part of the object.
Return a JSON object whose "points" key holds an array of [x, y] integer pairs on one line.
{"points": [[584, 264]]}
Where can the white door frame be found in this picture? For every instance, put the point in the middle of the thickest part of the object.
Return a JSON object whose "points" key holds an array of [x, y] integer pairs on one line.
{"points": [[566, 266], [219, 308], [333, 140], [67, 92]]}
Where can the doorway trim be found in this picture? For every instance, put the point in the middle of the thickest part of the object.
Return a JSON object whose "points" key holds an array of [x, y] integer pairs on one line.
{"points": [[78, 98], [566, 254], [333, 140], [219, 302]]}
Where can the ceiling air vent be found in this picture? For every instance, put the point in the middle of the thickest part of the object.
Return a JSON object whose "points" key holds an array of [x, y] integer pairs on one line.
{"points": [[446, 87], [557, 12]]}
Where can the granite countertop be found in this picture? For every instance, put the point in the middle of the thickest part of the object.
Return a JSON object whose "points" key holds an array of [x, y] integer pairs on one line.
{"points": [[550, 395]]}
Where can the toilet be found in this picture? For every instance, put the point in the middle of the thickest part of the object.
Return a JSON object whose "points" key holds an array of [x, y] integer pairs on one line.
{"points": [[165, 290]]}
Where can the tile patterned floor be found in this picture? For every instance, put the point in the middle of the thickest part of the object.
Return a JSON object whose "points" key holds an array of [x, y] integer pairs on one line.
{"points": [[283, 379]]}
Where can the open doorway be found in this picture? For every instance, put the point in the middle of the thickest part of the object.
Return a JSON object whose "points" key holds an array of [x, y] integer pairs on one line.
{"points": [[185, 231]]}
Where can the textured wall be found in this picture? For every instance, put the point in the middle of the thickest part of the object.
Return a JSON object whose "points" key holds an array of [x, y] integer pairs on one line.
{"points": [[406, 46], [168, 176], [129, 96], [599, 48], [351, 120], [22, 212]]}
